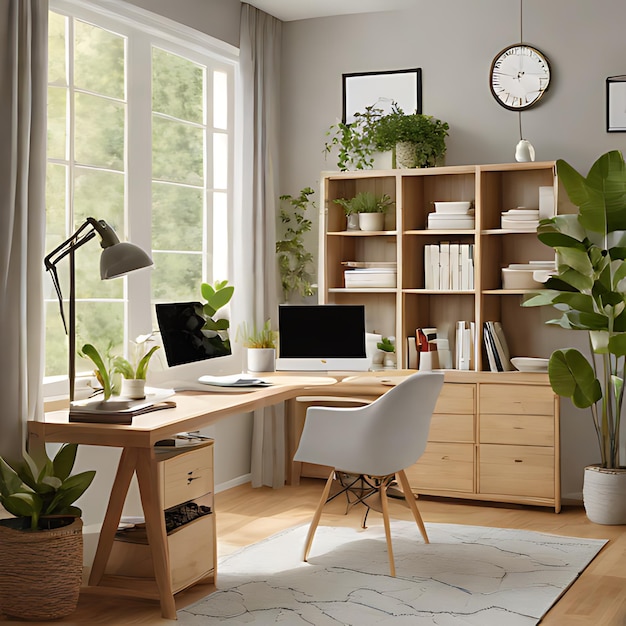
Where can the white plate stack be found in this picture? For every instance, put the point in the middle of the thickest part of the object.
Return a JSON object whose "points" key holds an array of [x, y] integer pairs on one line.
{"points": [[520, 219], [451, 215]]}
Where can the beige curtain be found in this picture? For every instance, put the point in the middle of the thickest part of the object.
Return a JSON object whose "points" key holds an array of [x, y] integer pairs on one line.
{"points": [[23, 76], [255, 221]]}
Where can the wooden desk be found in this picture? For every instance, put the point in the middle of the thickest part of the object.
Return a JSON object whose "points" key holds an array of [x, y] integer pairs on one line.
{"points": [[193, 411]]}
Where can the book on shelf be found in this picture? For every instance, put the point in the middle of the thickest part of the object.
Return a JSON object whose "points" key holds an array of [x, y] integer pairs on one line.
{"points": [[455, 267], [464, 345], [444, 265], [411, 351], [449, 266], [496, 347]]}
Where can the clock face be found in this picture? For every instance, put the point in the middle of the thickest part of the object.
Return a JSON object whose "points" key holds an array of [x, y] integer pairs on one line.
{"points": [[519, 76]]}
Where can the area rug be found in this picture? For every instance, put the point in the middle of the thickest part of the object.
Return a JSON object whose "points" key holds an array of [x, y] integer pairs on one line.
{"points": [[466, 575]]}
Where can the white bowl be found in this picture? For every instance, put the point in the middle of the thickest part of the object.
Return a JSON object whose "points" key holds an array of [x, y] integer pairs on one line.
{"points": [[452, 207], [529, 364]]}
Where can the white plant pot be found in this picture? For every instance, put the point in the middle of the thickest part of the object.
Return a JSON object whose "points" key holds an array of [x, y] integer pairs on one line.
{"points": [[604, 495], [261, 359], [372, 221], [133, 388]]}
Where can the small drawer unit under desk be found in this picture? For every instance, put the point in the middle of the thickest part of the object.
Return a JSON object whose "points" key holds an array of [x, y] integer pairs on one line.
{"points": [[518, 443], [185, 477]]}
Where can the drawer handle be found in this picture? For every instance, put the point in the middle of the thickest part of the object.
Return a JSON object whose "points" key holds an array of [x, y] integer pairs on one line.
{"points": [[518, 460], [445, 458], [190, 478]]}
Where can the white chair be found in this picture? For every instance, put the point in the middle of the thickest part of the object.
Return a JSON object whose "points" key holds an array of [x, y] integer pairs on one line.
{"points": [[376, 442]]}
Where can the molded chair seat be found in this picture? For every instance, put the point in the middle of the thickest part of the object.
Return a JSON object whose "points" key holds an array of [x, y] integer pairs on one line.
{"points": [[378, 441]]}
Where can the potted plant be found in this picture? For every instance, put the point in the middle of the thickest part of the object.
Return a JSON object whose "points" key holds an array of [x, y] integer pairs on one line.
{"points": [[295, 262], [354, 141], [41, 548], [134, 370], [215, 330], [589, 291], [371, 209], [104, 368], [387, 346], [261, 346], [416, 140]]}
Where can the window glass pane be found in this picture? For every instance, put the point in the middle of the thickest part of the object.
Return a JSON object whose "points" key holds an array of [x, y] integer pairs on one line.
{"points": [[220, 161], [177, 276], [56, 49], [220, 226], [56, 340], [56, 122], [220, 100], [98, 60], [101, 324], [177, 151], [177, 86], [99, 132], [55, 206], [177, 217]]}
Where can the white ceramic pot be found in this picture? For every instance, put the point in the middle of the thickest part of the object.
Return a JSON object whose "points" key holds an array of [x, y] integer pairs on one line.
{"points": [[372, 221], [604, 495], [261, 359], [133, 388]]}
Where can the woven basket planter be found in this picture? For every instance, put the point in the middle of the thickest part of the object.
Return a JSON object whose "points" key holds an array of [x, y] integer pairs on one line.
{"points": [[40, 571]]}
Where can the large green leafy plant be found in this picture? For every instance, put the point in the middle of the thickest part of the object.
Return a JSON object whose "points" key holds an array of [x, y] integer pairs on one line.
{"points": [[589, 291], [34, 490], [295, 262]]}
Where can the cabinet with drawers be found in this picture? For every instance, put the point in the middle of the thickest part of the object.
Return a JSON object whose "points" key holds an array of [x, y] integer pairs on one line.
{"points": [[185, 485]]}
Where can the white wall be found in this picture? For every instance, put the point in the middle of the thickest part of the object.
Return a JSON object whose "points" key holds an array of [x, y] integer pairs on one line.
{"points": [[454, 42]]}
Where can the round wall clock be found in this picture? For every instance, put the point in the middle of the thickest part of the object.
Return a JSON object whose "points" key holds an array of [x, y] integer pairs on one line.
{"points": [[519, 76]]}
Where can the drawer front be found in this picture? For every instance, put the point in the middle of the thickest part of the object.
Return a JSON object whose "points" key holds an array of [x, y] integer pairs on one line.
{"points": [[192, 551], [444, 466], [521, 430], [446, 427], [187, 476], [516, 470], [456, 398], [516, 399]]}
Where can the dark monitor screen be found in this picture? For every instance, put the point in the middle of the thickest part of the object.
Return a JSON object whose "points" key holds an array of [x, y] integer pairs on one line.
{"points": [[181, 332], [321, 331]]}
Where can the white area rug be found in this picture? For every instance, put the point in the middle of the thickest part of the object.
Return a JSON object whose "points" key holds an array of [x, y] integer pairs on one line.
{"points": [[466, 575]]}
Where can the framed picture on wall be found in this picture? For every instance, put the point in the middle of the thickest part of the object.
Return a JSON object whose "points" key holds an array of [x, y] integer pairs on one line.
{"points": [[616, 104], [382, 89]]}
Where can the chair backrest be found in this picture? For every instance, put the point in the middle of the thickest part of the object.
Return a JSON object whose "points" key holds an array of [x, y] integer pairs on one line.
{"points": [[386, 436]]}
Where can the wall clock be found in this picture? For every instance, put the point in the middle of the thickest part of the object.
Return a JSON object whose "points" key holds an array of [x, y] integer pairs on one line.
{"points": [[519, 76]]}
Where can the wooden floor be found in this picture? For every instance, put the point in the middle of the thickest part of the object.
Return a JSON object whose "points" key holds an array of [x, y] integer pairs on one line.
{"points": [[246, 515]]}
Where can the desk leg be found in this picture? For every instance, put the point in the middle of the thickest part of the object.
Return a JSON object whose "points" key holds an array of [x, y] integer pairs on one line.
{"points": [[155, 529], [125, 471]]}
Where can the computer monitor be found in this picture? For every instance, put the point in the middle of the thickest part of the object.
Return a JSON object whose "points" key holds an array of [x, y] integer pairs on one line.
{"points": [[321, 337], [181, 332]]}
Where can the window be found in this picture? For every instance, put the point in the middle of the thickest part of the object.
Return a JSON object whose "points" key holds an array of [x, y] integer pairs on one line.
{"points": [[140, 134]]}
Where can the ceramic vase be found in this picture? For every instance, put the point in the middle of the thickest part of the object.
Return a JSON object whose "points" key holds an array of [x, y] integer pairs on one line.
{"points": [[604, 495], [372, 221], [133, 388], [352, 221], [261, 359]]}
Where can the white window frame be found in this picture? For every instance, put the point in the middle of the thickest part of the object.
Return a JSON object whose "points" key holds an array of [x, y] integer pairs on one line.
{"points": [[125, 19]]}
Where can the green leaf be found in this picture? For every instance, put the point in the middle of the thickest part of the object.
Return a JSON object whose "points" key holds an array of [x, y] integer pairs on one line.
{"points": [[90, 351], [617, 344], [207, 291], [142, 368], [123, 367], [64, 460], [23, 504], [572, 376]]}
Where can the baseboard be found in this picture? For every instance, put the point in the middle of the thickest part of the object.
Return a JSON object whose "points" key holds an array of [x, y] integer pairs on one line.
{"points": [[235, 482]]}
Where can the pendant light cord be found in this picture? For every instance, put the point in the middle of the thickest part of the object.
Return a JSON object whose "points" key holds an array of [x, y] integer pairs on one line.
{"points": [[521, 40]]}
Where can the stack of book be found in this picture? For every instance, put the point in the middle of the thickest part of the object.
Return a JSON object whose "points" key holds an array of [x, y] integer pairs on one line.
{"points": [[496, 347], [449, 265]]}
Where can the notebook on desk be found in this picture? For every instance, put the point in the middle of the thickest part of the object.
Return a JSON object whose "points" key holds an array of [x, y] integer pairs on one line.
{"points": [[322, 337]]}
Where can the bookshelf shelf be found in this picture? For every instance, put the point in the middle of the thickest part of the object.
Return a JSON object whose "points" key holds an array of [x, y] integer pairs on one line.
{"points": [[414, 304]]}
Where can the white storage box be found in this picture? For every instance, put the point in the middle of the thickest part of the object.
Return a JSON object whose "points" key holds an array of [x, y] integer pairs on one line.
{"points": [[378, 278]]}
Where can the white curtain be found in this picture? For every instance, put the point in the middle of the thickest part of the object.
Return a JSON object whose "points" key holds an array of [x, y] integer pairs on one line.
{"points": [[255, 220], [23, 76]]}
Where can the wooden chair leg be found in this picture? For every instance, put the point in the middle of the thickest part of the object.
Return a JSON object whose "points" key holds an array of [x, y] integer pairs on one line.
{"points": [[384, 505], [316, 517], [410, 499]]}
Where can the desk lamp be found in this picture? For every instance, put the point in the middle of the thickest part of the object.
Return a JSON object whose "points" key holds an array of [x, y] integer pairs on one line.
{"points": [[117, 258]]}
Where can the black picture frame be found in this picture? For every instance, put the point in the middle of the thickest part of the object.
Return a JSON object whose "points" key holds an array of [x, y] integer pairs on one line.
{"points": [[616, 104], [363, 89]]}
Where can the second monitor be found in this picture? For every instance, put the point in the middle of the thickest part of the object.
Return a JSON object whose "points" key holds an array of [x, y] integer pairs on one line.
{"points": [[322, 337]]}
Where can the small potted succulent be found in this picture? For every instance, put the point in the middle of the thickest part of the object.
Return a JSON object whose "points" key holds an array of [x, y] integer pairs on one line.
{"points": [[261, 346], [371, 209], [134, 370], [388, 347]]}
